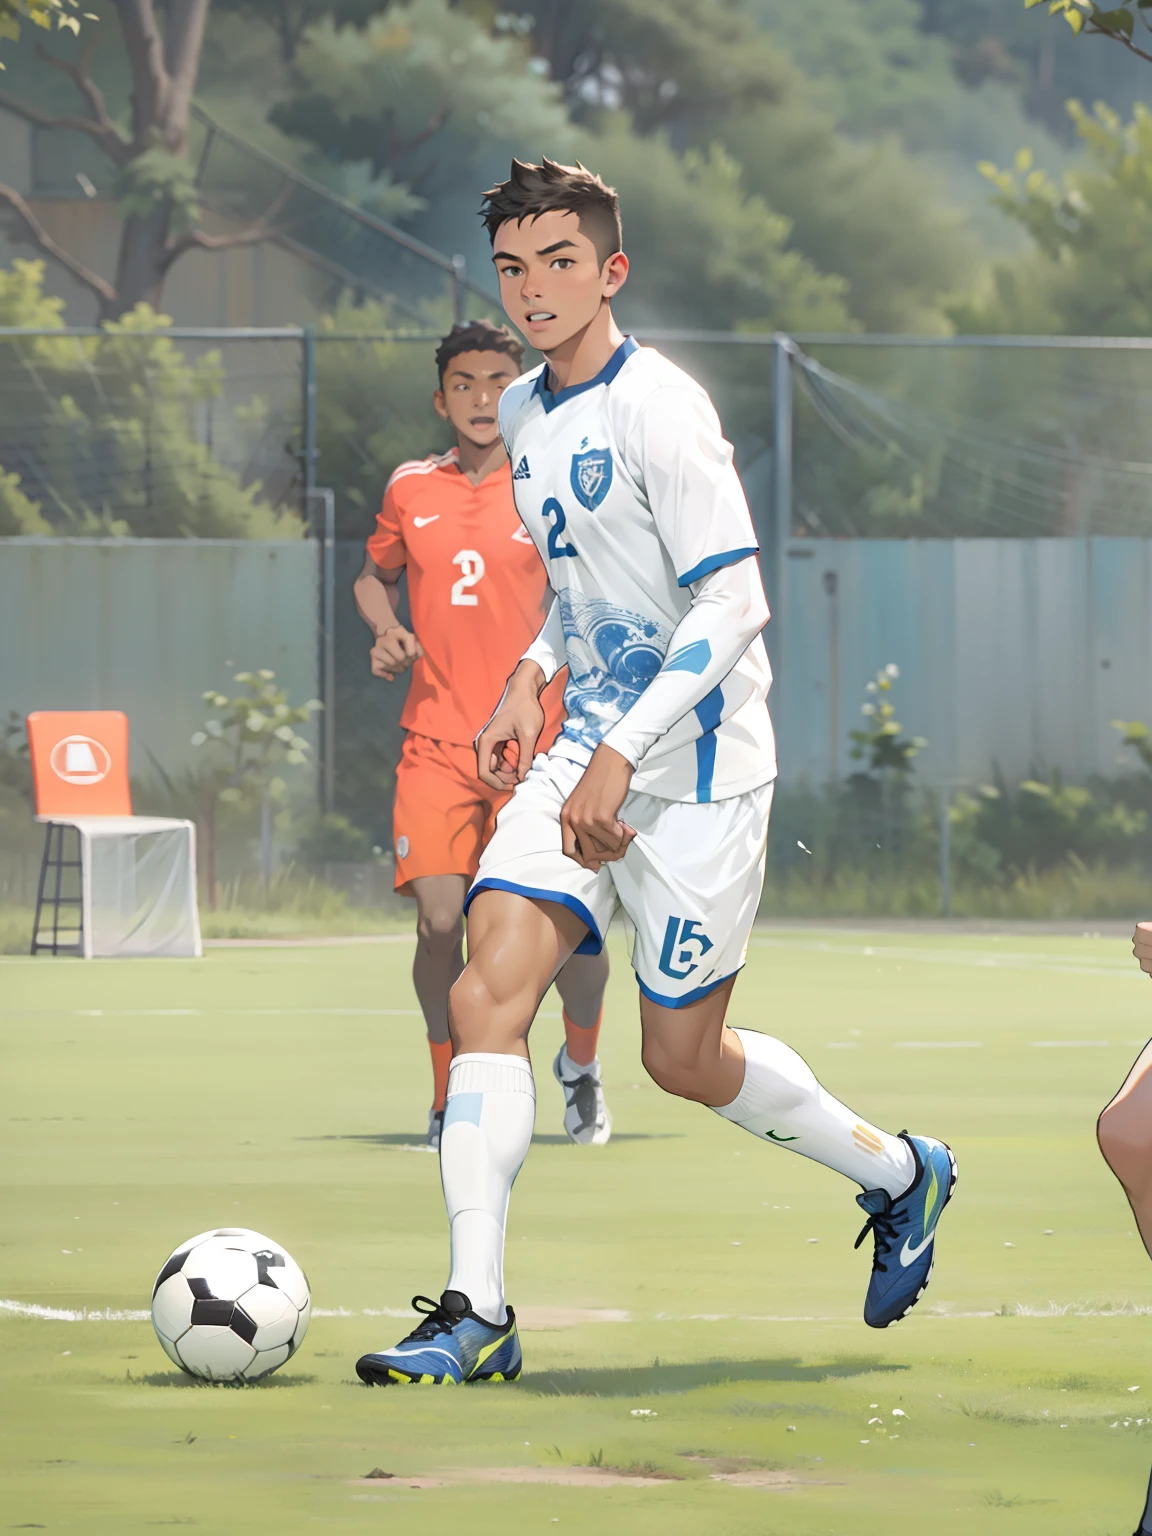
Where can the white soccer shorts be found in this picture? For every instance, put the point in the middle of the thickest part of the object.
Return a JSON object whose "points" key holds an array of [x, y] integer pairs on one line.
{"points": [[689, 882]]}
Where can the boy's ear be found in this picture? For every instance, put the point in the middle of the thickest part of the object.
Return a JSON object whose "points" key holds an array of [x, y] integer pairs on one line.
{"points": [[615, 273], [439, 404]]}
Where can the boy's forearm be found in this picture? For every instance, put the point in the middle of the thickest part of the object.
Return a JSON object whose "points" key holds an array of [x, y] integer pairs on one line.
{"points": [[727, 613], [374, 604]]}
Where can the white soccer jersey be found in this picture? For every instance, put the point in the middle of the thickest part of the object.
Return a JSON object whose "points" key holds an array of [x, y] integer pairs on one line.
{"points": [[627, 487]]}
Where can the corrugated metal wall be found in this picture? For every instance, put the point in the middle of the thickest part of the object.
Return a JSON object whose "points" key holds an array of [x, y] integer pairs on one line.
{"points": [[1012, 652], [1017, 653], [146, 625]]}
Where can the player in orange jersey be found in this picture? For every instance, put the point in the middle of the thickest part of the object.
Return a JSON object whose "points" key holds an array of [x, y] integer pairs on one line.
{"points": [[477, 589]]}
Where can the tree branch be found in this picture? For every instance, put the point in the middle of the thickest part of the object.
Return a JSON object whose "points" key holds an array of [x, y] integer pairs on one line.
{"points": [[183, 40], [93, 95], [91, 280], [145, 49], [114, 146], [252, 234], [1120, 38]]}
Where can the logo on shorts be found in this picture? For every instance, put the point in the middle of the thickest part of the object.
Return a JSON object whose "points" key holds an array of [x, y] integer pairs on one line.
{"points": [[591, 476], [685, 945], [402, 847]]}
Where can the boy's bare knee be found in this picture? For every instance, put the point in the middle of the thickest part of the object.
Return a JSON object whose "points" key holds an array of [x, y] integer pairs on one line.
{"points": [[674, 1072]]}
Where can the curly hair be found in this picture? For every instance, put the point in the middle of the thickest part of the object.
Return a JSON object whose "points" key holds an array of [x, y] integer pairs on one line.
{"points": [[478, 336]]}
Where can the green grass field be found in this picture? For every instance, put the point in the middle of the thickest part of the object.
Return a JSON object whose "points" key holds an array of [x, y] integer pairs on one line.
{"points": [[694, 1356]]}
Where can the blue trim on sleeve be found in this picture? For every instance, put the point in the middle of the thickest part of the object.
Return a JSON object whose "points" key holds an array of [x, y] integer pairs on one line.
{"points": [[688, 997], [609, 371], [714, 563], [693, 657], [709, 712], [592, 944]]}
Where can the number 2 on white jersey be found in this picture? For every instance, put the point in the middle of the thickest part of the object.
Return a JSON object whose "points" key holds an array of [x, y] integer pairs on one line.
{"points": [[471, 565], [554, 512]]}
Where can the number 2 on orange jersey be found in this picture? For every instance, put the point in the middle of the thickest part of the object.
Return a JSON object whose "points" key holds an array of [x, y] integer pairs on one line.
{"points": [[471, 565]]}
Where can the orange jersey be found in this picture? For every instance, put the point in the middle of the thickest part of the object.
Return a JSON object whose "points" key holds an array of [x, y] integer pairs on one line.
{"points": [[477, 589]]}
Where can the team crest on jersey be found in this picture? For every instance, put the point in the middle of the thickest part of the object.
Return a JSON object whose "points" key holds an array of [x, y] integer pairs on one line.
{"points": [[591, 476]]}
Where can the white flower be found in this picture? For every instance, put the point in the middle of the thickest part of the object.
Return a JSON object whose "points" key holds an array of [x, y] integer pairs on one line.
{"points": [[199, 739], [871, 688], [867, 709], [891, 670]]}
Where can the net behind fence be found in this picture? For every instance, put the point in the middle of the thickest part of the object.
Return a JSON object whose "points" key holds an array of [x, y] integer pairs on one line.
{"points": [[965, 441]]}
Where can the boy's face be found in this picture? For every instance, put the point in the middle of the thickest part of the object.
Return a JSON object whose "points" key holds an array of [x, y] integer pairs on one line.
{"points": [[468, 399], [552, 283]]}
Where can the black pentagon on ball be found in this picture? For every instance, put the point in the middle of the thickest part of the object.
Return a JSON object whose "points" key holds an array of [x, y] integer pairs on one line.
{"points": [[243, 1324], [173, 1266], [199, 1287], [211, 1312], [265, 1261]]}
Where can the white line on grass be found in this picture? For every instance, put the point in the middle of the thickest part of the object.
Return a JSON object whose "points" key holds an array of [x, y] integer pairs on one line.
{"points": [[937, 1045], [981, 960]]}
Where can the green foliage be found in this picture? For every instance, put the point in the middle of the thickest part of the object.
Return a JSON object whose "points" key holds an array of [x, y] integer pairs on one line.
{"points": [[66, 14], [115, 425], [374, 404], [1135, 734], [156, 179], [1041, 825], [666, 63], [879, 743], [424, 94], [1090, 270], [251, 736], [748, 277], [332, 839], [19, 514]]}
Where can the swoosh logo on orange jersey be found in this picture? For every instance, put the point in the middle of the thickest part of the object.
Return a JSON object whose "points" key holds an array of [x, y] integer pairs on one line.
{"points": [[422, 522], [522, 536]]}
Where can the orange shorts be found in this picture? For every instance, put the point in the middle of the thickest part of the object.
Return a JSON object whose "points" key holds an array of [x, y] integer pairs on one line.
{"points": [[443, 815]]}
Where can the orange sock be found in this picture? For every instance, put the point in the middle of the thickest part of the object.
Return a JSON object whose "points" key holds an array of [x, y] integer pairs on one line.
{"points": [[441, 1061], [581, 1043]]}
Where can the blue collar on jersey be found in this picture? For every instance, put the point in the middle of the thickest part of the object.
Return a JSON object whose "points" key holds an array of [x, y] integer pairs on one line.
{"points": [[609, 371]]}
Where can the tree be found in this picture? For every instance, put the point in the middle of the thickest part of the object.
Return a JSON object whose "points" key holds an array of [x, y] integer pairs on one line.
{"points": [[290, 19], [1090, 269], [665, 62], [156, 181]]}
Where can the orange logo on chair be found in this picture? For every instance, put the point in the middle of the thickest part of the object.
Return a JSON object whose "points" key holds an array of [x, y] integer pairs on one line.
{"points": [[80, 762]]}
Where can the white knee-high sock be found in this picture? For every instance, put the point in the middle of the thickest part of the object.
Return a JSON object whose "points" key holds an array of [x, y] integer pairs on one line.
{"points": [[488, 1120], [781, 1101]]}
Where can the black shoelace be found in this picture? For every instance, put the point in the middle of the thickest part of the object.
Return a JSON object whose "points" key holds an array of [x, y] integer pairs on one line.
{"points": [[883, 1229], [437, 1320], [582, 1097]]}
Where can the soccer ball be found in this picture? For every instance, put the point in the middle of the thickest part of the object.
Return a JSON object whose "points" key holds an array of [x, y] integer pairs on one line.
{"points": [[230, 1305]]}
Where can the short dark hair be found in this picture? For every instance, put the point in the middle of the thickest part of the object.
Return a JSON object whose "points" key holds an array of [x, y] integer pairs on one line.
{"points": [[478, 336], [534, 189]]}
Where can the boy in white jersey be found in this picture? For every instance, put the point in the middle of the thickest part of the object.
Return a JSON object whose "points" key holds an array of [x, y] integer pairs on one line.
{"points": [[655, 797]]}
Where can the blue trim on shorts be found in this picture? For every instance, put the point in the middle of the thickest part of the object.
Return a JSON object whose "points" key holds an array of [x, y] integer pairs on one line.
{"points": [[709, 712], [689, 997], [592, 944]]}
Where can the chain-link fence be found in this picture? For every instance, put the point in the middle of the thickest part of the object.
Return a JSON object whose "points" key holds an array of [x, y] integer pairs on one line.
{"points": [[979, 516]]}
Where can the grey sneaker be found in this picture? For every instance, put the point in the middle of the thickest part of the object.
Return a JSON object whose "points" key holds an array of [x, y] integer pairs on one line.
{"points": [[435, 1126], [586, 1117]]}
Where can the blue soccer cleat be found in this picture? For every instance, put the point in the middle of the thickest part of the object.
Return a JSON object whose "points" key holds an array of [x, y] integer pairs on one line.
{"points": [[904, 1230], [452, 1345]]}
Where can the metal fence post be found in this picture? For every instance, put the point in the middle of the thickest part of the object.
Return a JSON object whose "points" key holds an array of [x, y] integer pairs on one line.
{"points": [[458, 280], [327, 498], [945, 850], [782, 400], [310, 453]]}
